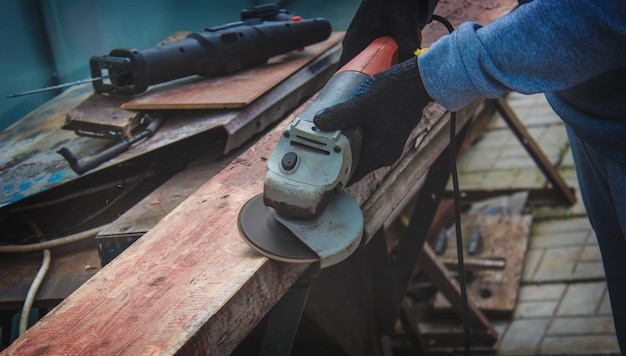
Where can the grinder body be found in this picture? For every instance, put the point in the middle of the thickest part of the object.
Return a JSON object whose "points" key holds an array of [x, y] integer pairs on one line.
{"points": [[308, 165]]}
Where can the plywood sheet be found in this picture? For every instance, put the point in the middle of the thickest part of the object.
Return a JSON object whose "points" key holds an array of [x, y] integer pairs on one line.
{"points": [[505, 237], [228, 91]]}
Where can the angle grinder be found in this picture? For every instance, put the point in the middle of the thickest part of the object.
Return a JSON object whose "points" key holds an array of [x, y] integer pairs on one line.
{"points": [[303, 214]]}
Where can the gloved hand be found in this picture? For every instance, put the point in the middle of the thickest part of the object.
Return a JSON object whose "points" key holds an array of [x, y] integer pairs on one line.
{"points": [[387, 107], [399, 19]]}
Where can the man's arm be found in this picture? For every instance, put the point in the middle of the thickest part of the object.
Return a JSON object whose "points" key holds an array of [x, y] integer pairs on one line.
{"points": [[542, 46]]}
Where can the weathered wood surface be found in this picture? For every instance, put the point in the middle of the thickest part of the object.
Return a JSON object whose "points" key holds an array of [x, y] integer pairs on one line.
{"points": [[144, 215], [457, 12], [228, 91]]}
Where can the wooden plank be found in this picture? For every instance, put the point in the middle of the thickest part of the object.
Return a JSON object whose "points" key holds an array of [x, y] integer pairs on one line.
{"points": [[143, 216], [228, 91], [101, 116], [457, 12]]}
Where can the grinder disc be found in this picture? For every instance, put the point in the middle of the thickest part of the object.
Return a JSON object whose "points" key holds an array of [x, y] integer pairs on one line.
{"points": [[328, 238], [261, 231]]}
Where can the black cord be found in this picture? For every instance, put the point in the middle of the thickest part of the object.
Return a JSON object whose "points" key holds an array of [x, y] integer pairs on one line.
{"points": [[97, 213], [457, 213], [130, 188], [459, 238], [444, 22]]}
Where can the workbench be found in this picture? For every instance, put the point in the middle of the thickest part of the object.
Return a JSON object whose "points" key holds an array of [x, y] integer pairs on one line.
{"points": [[189, 284], [41, 195]]}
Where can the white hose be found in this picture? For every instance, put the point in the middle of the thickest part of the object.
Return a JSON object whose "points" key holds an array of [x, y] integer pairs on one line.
{"points": [[32, 291], [50, 244], [45, 264]]}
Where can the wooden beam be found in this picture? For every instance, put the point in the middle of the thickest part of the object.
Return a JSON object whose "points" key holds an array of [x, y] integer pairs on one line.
{"points": [[189, 284], [449, 287], [385, 195], [555, 179]]}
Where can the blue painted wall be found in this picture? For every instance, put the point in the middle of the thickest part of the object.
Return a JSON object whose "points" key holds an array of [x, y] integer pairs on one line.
{"points": [[25, 58]]}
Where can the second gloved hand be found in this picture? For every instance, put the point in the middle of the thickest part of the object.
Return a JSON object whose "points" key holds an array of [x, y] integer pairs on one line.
{"points": [[400, 19], [387, 107]]}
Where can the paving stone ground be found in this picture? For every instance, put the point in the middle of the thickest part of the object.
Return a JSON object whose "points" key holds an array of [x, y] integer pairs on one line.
{"points": [[563, 306]]}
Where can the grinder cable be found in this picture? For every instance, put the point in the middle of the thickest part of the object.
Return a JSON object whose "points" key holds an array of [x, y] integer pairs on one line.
{"points": [[457, 213]]}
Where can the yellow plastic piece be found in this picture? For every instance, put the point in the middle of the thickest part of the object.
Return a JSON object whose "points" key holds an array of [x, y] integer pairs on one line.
{"points": [[420, 51]]}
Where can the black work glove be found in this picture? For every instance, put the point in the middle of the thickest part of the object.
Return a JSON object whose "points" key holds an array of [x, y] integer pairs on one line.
{"points": [[399, 19], [387, 107]]}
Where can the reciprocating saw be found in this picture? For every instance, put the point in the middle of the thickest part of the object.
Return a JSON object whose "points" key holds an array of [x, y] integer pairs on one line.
{"points": [[263, 32]]}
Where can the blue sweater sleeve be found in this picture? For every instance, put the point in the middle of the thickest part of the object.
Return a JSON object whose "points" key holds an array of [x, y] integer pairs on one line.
{"points": [[543, 46]]}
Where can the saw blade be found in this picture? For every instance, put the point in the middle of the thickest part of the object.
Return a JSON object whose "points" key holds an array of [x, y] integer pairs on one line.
{"points": [[264, 233]]}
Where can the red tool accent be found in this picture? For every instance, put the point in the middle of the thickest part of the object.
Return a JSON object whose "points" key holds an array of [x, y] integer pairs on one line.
{"points": [[381, 54]]}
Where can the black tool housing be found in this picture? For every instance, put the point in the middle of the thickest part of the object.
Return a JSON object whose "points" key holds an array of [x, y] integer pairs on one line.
{"points": [[215, 50]]}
